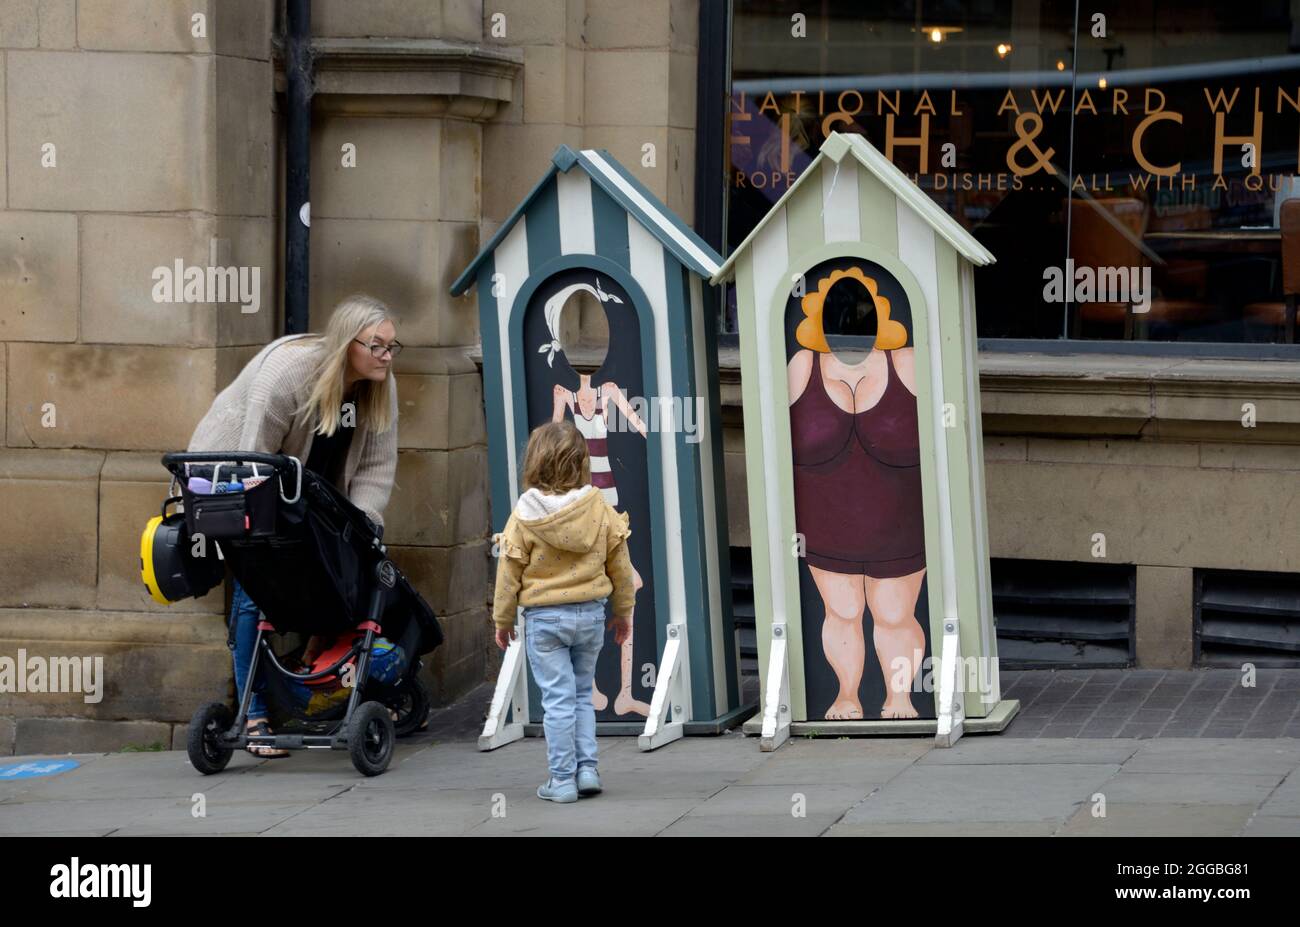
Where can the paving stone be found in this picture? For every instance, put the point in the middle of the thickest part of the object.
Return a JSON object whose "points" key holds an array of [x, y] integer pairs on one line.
{"points": [[1062, 730], [1221, 729], [749, 825], [1219, 757], [1158, 820], [1270, 826], [1081, 713], [947, 829], [527, 815], [403, 812], [1200, 787], [934, 793], [1133, 729], [991, 751]]}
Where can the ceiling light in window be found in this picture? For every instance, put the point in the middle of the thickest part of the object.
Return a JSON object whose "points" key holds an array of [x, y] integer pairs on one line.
{"points": [[1101, 82], [937, 34], [1060, 65], [1004, 49]]}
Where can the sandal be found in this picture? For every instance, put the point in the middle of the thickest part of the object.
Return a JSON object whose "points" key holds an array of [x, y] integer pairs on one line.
{"points": [[265, 751]]}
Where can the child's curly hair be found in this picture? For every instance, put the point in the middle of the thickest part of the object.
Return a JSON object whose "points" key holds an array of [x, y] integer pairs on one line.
{"points": [[556, 459]]}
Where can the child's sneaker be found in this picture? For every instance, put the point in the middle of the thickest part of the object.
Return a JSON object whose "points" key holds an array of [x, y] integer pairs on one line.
{"points": [[588, 781], [562, 792]]}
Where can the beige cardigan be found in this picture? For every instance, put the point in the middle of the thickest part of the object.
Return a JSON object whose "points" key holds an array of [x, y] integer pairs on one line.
{"points": [[257, 413]]}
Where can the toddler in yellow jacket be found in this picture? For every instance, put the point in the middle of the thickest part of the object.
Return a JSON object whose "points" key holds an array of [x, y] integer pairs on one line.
{"points": [[561, 556]]}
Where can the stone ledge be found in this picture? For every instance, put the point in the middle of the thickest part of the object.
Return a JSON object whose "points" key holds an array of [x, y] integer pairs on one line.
{"points": [[61, 735], [408, 77], [92, 626]]}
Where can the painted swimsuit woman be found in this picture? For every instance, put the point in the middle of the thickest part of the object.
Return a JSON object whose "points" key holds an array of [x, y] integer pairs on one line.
{"points": [[590, 410], [857, 487]]}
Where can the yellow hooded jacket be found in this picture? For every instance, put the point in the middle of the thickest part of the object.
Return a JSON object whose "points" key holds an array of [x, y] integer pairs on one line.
{"points": [[562, 549]]}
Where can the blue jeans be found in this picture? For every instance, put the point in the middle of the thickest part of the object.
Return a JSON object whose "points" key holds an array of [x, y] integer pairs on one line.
{"points": [[243, 616], [563, 642]]}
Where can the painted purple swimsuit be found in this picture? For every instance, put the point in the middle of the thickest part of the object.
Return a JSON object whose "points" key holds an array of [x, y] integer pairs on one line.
{"points": [[857, 480]]}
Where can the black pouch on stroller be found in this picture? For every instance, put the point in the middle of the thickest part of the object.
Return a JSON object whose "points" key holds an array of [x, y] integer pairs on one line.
{"points": [[231, 502]]}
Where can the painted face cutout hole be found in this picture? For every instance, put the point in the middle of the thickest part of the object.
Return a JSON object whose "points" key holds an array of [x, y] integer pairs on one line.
{"points": [[584, 331], [849, 320]]}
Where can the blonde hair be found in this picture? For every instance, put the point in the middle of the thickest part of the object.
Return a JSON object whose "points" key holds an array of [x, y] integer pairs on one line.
{"points": [[556, 458], [374, 401], [811, 332]]}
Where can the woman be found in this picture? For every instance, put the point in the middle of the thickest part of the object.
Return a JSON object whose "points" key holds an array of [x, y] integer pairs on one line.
{"points": [[331, 401]]}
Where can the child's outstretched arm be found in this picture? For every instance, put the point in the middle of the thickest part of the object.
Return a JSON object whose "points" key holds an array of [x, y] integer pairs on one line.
{"points": [[511, 559], [618, 567]]}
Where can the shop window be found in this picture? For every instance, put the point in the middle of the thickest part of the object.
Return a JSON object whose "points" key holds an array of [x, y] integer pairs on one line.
{"points": [[1127, 163]]}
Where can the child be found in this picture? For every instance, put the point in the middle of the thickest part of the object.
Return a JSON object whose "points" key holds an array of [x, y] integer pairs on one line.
{"points": [[562, 555]]}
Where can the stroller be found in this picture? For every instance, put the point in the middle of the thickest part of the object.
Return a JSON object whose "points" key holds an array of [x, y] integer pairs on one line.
{"points": [[315, 565]]}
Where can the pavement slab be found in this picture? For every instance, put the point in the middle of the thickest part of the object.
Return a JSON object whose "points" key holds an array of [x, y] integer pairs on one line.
{"points": [[1152, 744]]}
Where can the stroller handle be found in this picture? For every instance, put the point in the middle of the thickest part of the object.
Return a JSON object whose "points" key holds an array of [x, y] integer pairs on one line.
{"points": [[280, 462], [177, 458]]}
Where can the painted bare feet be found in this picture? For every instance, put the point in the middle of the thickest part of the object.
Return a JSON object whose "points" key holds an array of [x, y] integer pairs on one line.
{"points": [[624, 704], [844, 709], [598, 699], [900, 707]]}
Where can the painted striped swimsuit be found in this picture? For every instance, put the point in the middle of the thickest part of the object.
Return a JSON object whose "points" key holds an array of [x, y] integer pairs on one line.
{"points": [[594, 430]]}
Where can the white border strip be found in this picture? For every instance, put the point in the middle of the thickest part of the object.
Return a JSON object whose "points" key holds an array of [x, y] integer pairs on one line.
{"points": [[651, 210], [646, 256], [511, 263], [916, 249], [840, 207], [771, 260], [577, 227]]}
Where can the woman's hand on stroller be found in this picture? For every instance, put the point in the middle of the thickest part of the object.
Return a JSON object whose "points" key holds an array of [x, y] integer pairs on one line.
{"points": [[505, 636]]}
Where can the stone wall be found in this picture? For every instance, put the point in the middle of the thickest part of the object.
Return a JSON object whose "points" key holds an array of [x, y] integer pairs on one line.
{"points": [[166, 146], [136, 136]]}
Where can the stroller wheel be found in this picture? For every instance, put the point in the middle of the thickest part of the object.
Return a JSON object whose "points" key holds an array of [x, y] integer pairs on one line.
{"points": [[207, 753], [411, 705], [370, 738]]}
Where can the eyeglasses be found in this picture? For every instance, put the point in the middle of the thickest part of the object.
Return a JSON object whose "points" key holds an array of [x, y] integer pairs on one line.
{"points": [[377, 350]]}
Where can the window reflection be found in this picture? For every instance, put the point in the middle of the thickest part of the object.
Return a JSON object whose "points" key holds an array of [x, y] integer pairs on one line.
{"points": [[1150, 144]]}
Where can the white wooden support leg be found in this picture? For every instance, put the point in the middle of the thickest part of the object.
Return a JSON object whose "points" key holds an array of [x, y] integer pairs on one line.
{"points": [[776, 695], [951, 710], [670, 706], [511, 694]]}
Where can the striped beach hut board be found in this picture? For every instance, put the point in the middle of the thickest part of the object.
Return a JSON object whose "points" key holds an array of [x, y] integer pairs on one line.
{"points": [[650, 414], [865, 479]]}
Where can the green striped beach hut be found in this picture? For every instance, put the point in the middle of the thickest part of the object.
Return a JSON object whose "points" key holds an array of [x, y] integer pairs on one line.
{"points": [[852, 210], [589, 225]]}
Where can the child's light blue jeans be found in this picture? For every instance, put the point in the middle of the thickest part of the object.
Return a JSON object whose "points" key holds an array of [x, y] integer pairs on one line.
{"points": [[563, 642]]}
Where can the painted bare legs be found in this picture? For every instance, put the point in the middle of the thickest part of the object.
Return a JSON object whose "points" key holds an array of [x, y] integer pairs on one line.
{"points": [[896, 634], [842, 640], [624, 703], [899, 640]]}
